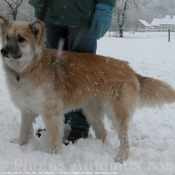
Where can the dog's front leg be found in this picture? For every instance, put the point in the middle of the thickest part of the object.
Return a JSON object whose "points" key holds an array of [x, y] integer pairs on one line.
{"points": [[53, 118], [26, 130]]}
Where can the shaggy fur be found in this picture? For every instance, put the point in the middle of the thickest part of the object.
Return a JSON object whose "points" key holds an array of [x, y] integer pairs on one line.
{"points": [[52, 85]]}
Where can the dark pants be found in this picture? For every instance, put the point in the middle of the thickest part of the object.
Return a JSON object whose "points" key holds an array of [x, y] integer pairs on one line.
{"points": [[74, 39]]}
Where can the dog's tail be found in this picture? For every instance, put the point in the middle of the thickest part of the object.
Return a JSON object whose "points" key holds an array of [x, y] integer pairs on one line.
{"points": [[154, 93]]}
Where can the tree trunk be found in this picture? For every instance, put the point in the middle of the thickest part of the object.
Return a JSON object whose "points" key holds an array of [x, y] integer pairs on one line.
{"points": [[121, 31], [14, 14], [14, 17]]}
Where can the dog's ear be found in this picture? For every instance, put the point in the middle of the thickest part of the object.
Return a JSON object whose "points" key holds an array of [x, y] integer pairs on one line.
{"points": [[3, 24], [38, 31], [3, 21]]}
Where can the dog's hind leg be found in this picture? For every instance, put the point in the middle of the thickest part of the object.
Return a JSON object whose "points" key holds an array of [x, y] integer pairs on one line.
{"points": [[53, 119], [120, 111], [26, 130], [122, 129], [94, 113]]}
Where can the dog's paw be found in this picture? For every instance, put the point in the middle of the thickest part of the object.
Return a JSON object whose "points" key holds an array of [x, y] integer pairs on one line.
{"points": [[104, 138], [18, 141], [15, 141], [52, 151], [120, 160], [54, 148], [121, 157]]}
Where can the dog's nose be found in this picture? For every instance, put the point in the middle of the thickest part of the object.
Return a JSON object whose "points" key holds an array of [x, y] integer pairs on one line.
{"points": [[5, 51]]}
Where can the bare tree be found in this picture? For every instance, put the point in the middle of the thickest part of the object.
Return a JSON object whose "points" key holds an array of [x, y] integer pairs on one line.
{"points": [[14, 5], [120, 12]]}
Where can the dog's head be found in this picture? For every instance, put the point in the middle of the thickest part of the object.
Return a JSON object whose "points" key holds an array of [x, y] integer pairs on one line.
{"points": [[21, 41]]}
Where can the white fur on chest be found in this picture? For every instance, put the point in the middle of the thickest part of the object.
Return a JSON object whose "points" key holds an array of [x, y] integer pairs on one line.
{"points": [[25, 97]]}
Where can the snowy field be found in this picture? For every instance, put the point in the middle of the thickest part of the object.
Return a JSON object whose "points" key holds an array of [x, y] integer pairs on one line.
{"points": [[151, 133]]}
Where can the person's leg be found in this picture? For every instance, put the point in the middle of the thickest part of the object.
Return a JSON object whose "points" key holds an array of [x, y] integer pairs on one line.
{"points": [[54, 34], [79, 126], [80, 40]]}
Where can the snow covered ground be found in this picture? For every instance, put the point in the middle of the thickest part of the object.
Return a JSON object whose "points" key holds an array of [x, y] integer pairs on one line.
{"points": [[151, 134]]}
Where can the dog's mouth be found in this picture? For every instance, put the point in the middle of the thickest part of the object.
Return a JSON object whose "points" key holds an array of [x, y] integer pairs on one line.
{"points": [[16, 57]]}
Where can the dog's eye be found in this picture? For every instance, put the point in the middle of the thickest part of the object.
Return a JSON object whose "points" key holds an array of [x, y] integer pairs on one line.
{"points": [[21, 40]]}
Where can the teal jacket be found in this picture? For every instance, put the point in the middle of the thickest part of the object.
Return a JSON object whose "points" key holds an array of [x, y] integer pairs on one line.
{"points": [[69, 12]]}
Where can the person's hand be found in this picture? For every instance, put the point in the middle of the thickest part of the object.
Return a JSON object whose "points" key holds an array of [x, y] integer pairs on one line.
{"points": [[102, 19]]}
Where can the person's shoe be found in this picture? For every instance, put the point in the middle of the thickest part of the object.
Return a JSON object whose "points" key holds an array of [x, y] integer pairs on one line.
{"points": [[76, 134]]}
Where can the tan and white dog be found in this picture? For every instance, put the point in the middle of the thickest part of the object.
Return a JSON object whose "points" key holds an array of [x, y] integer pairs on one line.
{"points": [[41, 82]]}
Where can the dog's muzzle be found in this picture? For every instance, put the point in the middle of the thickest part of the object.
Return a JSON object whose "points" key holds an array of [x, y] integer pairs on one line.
{"points": [[6, 51]]}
